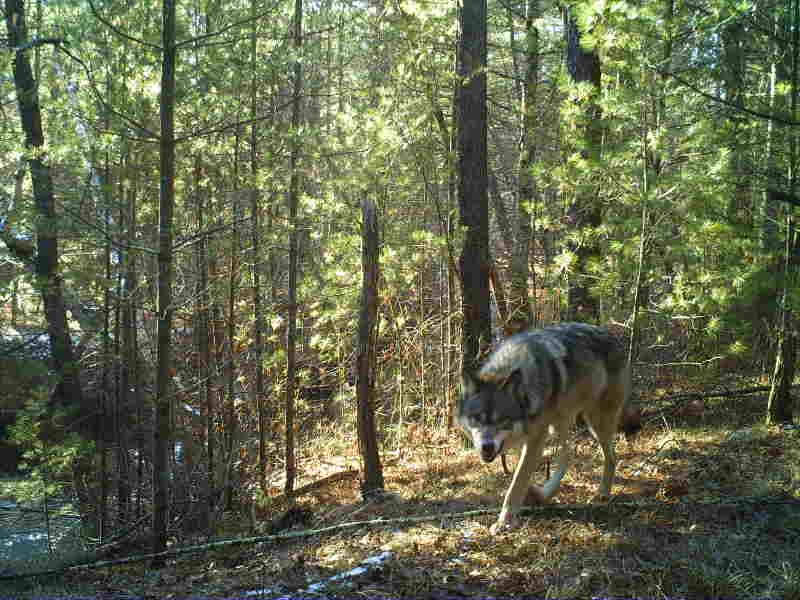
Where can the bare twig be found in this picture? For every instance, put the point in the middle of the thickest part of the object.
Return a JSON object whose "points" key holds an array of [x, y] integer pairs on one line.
{"points": [[379, 522], [38, 42]]}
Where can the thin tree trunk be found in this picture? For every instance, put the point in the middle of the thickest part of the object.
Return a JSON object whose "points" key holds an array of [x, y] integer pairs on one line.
{"points": [[733, 61], [162, 438], [128, 367], [231, 424], [258, 320], [15, 305], [452, 275], [132, 342], [372, 480], [769, 212], [584, 211], [121, 380], [105, 392], [501, 216], [294, 198], [521, 313], [633, 346], [202, 338], [448, 135], [779, 405], [500, 300]]}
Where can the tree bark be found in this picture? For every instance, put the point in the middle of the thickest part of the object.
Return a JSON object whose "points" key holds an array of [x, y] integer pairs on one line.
{"points": [[367, 333], [231, 367], [203, 338], [733, 66], [473, 183], [294, 198], [768, 211], [255, 213], [48, 279], [779, 405], [105, 392], [128, 332], [162, 438], [584, 211], [521, 313]]}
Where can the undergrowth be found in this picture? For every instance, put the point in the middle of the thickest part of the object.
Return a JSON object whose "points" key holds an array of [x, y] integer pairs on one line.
{"points": [[706, 504]]}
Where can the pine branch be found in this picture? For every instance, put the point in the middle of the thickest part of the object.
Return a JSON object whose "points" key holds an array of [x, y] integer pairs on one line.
{"points": [[755, 113]]}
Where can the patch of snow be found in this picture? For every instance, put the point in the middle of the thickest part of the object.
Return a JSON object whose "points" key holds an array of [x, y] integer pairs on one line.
{"points": [[365, 566]]}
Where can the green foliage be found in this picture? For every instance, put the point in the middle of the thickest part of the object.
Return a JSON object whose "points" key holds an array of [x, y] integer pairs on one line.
{"points": [[677, 174], [49, 453]]}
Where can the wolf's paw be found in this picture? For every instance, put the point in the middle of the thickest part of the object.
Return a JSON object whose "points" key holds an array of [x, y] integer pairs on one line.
{"points": [[505, 522], [535, 496]]}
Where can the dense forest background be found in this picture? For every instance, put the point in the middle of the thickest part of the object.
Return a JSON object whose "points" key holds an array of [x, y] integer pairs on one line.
{"points": [[181, 195]]}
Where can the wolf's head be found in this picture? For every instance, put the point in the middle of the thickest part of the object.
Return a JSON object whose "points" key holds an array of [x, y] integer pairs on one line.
{"points": [[493, 413]]}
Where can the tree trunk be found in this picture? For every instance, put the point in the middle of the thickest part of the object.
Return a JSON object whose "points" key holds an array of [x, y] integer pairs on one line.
{"points": [[652, 161], [372, 480], [521, 313], [128, 368], [48, 279], [498, 207], [473, 183], [452, 274], [448, 135], [733, 69], [768, 211], [584, 211], [132, 341], [203, 338], [258, 318], [294, 198], [162, 438], [633, 347], [779, 406], [105, 392], [231, 424]]}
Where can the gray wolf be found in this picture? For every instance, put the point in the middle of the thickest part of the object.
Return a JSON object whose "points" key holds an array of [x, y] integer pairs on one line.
{"points": [[539, 381]]}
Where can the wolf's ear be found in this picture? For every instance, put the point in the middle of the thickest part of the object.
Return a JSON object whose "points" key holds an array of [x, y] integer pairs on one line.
{"points": [[469, 383]]}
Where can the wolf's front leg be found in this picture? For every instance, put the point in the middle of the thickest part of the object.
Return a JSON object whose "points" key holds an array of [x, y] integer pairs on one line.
{"points": [[528, 462]]}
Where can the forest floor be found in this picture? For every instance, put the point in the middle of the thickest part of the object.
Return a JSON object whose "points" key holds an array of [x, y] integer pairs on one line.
{"points": [[706, 504]]}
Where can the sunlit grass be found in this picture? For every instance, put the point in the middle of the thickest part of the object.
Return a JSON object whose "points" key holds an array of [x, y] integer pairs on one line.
{"points": [[702, 509]]}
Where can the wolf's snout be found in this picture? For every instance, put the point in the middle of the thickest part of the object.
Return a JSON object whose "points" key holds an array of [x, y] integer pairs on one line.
{"points": [[488, 452]]}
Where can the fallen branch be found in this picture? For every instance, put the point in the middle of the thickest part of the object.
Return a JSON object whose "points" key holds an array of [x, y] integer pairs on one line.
{"points": [[719, 394], [701, 363], [289, 535], [320, 483]]}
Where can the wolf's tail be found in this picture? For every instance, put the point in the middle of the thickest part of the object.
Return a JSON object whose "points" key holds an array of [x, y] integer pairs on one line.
{"points": [[630, 419]]}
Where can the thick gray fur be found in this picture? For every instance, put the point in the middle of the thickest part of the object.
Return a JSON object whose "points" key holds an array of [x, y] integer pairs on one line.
{"points": [[541, 380]]}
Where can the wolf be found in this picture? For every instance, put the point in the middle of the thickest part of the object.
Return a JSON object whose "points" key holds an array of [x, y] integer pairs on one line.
{"points": [[537, 382]]}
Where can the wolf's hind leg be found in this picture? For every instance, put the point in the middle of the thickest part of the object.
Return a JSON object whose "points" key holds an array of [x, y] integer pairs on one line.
{"points": [[564, 457], [609, 466], [604, 424]]}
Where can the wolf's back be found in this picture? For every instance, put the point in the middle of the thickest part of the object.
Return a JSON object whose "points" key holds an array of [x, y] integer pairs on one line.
{"points": [[564, 351]]}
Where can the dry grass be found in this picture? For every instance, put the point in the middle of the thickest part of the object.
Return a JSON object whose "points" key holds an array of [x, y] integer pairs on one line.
{"points": [[687, 521]]}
